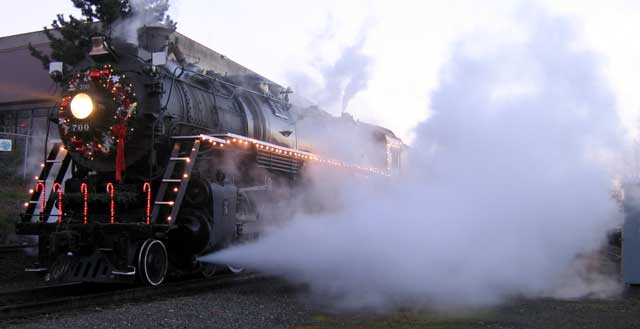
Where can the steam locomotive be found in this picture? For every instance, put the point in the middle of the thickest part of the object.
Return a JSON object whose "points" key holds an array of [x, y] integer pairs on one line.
{"points": [[160, 161]]}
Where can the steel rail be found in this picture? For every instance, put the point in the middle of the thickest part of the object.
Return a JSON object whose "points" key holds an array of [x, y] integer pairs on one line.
{"points": [[80, 297], [16, 247]]}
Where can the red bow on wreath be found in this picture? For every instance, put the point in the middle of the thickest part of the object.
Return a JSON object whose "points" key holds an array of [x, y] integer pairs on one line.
{"points": [[119, 131]]}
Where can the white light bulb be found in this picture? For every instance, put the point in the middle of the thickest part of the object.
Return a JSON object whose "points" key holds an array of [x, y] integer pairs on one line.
{"points": [[81, 106]]}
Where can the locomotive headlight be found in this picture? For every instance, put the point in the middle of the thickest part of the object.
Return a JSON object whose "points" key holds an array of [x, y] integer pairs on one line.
{"points": [[81, 106]]}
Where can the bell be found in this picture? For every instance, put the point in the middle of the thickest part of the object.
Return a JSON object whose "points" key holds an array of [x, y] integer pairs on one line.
{"points": [[99, 50]]}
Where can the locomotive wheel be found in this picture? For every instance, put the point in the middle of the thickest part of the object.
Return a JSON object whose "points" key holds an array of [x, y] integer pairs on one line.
{"points": [[152, 262], [235, 270]]}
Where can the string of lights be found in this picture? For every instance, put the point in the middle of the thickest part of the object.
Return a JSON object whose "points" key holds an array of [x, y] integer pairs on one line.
{"points": [[229, 139]]}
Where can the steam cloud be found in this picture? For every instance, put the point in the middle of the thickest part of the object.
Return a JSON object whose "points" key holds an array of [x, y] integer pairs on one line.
{"points": [[504, 186], [143, 12], [341, 80]]}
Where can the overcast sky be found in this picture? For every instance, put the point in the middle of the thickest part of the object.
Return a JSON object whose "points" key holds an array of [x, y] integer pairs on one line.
{"points": [[407, 42]]}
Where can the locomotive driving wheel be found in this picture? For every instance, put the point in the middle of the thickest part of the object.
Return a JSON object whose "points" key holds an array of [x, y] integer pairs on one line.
{"points": [[152, 262], [235, 270]]}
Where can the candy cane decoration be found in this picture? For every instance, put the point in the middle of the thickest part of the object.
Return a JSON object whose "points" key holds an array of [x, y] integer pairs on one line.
{"points": [[42, 188], [147, 188], [57, 187], [85, 198], [110, 190]]}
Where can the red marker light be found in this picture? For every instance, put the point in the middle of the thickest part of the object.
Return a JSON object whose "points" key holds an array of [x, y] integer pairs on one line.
{"points": [[94, 74]]}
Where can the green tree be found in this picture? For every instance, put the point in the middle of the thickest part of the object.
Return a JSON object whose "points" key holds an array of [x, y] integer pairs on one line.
{"points": [[70, 38]]}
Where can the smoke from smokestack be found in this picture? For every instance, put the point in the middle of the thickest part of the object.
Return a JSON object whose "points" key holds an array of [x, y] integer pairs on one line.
{"points": [[339, 81], [143, 13], [504, 186]]}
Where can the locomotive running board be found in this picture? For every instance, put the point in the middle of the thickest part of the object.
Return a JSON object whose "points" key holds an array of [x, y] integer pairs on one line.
{"points": [[280, 158], [269, 156]]}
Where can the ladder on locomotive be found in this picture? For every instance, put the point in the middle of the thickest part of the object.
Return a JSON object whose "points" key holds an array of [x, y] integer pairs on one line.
{"points": [[47, 170], [177, 175]]}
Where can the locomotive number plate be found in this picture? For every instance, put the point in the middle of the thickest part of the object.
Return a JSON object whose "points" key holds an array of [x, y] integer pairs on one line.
{"points": [[80, 127]]}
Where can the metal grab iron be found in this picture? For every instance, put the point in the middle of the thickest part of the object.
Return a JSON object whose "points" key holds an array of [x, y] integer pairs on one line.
{"points": [[112, 206], [43, 188], [85, 198], [146, 187], [57, 187]]}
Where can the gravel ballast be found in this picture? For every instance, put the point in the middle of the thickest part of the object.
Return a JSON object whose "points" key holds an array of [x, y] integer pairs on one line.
{"points": [[272, 303]]}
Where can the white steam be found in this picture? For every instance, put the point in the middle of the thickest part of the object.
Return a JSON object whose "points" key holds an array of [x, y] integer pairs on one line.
{"points": [[505, 186], [333, 84], [143, 13]]}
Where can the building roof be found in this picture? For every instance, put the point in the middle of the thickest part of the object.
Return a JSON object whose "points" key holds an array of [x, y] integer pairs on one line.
{"points": [[22, 77], [24, 82]]}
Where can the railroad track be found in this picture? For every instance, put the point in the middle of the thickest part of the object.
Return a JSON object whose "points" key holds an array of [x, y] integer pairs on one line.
{"points": [[13, 260], [71, 296], [11, 248]]}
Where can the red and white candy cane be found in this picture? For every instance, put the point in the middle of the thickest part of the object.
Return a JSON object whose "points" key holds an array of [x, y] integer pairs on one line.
{"points": [[85, 198], [147, 188], [57, 187], [42, 188], [110, 190]]}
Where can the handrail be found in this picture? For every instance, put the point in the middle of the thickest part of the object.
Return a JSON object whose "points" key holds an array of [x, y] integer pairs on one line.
{"points": [[57, 187], [111, 190], [147, 188], [85, 198], [43, 188]]}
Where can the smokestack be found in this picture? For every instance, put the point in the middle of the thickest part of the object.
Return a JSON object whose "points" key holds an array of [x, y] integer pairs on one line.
{"points": [[154, 38]]}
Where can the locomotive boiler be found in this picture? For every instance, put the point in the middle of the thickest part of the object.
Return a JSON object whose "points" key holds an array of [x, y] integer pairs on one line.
{"points": [[160, 161]]}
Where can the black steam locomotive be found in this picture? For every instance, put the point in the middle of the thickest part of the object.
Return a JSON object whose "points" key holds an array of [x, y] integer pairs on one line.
{"points": [[160, 162]]}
